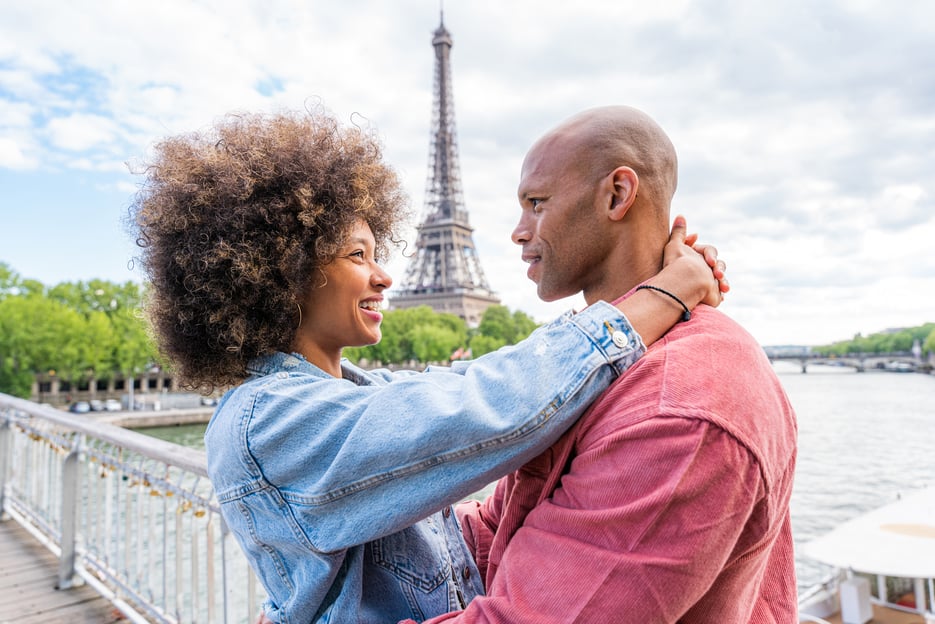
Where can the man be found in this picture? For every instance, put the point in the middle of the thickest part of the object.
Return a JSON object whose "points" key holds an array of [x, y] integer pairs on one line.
{"points": [[669, 500]]}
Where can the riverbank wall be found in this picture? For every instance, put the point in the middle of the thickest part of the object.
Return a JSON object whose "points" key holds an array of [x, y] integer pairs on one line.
{"points": [[161, 418]]}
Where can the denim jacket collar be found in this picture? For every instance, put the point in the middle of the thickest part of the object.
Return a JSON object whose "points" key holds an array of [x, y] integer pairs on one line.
{"points": [[279, 362], [282, 362]]}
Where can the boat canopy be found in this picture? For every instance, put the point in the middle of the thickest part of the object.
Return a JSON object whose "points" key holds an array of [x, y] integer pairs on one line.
{"points": [[895, 540]]}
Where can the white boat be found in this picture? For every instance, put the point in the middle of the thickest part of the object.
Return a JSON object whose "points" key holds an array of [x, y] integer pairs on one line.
{"points": [[884, 567]]}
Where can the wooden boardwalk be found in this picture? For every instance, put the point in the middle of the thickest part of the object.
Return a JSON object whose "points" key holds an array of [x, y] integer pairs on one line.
{"points": [[27, 586]]}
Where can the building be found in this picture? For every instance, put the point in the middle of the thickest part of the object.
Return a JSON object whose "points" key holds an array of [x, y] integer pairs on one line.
{"points": [[445, 272], [146, 388]]}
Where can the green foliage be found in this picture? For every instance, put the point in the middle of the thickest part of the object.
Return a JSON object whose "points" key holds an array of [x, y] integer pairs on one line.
{"points": [[95, 329], [78, 330], [135, 349], [98, 296], [8, 279], [435, 343], [422, 335], [419, 334], [38, 334], [14, 381], [884, 342], [481, 344], [11, 284], [499, 327], [929, 345]]}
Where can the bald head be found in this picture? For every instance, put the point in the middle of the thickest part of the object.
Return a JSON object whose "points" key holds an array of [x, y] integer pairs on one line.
{"points": [[599, 140], [595, 194]]}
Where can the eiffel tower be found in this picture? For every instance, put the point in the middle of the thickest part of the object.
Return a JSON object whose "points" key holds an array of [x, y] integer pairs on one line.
{"points": [[445, 272]]}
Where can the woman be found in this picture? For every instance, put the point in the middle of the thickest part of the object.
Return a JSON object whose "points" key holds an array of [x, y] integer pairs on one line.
{"points": [[261, 239]]}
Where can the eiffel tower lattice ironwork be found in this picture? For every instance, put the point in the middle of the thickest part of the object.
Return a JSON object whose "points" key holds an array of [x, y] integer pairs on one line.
{"points": [[445, 272]]}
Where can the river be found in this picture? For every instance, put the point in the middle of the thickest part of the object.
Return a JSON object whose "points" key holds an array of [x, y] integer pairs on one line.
{"points": [[864, 438]]}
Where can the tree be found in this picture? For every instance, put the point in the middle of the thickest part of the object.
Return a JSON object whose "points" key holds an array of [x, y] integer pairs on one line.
{"points": [[496, 323], [59, 339], [12, 285], [99, 345], [929, 345], [97, 296], [424, 335], [38, 334], [481, 344], [133, 348], [8, 280], [16, 367], [881, 342], [434, 343], [84, 329], [499, 327], [418, 333], [77, 329]]}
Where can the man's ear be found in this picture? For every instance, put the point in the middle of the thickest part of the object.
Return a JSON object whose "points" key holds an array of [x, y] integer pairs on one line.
{"points": [[625, 186]]}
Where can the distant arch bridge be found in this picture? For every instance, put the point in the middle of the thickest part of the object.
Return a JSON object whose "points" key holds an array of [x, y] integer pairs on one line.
{"points": [[897, 361]]}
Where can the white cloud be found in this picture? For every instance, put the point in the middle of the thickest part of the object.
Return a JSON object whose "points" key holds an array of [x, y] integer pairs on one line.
{"points": [[902, 205], [80, 132], [12, 157], [806, 131]]}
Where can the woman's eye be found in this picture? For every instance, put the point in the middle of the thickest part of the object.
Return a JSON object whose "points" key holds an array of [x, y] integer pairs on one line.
{"points": [[356, 255]]}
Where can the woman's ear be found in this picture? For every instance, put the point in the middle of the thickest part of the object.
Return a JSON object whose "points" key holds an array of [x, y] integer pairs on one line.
{"points": [[625, 186]]}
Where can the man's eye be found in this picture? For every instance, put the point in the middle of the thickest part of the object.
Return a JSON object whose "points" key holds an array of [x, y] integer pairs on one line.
{"points": [[536, 205]]}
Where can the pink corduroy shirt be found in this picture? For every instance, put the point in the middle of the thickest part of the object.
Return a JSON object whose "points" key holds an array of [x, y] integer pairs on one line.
{"points": [[667, 502]]}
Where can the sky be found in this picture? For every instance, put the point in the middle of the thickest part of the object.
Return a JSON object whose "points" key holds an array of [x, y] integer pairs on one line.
{"points": [[805, 128]]}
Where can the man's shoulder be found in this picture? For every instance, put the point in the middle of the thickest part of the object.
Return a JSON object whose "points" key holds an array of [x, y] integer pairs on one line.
{"points": [[710, 347], [708, 325], [709, 368]]}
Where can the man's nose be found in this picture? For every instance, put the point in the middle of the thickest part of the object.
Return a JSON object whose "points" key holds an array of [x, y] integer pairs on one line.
{"points": [[521, 233]]}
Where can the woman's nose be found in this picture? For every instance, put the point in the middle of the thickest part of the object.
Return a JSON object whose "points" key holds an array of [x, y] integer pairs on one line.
{"points": [[380, 278]]}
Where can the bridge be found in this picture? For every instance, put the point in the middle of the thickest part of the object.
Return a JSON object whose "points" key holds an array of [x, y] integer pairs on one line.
{"points": [[130, 522], [897, 361]]}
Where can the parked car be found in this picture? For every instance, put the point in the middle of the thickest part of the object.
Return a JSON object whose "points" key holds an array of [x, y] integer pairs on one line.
{"points": [[80, 407], [112, 405], [96, 405]]}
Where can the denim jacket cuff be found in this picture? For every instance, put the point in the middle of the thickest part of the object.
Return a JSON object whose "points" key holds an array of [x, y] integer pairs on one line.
{"points": [[611, 332]]}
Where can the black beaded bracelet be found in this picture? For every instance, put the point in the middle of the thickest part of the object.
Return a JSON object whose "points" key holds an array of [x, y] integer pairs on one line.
{"points": [[686, 315]]}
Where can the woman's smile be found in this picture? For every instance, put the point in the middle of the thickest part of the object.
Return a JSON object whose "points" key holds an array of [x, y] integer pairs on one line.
{"points": [[354, 278]]}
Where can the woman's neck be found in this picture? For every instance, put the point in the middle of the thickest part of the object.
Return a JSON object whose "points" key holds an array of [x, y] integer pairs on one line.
{"points": [[327, 360]]}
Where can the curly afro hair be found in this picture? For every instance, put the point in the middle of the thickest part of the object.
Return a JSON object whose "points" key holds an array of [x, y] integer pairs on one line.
{"points": [[234, 224]]}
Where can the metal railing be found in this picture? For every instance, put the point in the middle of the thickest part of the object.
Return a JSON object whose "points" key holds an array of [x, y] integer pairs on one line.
{"points": [[133, 516]]}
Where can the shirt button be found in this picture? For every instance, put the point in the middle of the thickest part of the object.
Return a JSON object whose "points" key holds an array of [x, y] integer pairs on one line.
{"points": [[466, 574], [619, 338], [447, 512]]}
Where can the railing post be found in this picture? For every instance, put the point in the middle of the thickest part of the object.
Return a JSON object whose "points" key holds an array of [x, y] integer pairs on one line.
{"points": [[226, 585], [62, 455], [66, 564], [6, 458]]}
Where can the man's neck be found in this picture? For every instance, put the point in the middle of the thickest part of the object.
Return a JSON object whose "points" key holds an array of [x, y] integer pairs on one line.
{"points": [[622, 272]]}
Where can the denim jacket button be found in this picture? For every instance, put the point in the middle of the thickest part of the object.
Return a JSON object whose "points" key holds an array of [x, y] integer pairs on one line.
{"points": [[466, 573], [447, 512], [619, 338]]}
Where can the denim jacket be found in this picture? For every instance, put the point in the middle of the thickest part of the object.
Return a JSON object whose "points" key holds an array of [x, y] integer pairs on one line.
{"points": [[338, 490]]}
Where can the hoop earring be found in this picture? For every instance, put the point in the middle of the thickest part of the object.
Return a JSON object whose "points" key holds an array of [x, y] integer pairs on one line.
{"points": [[300, 315]]}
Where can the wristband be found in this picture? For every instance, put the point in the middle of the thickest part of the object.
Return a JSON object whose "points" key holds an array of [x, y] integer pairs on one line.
{"points": [[686, 315]]}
